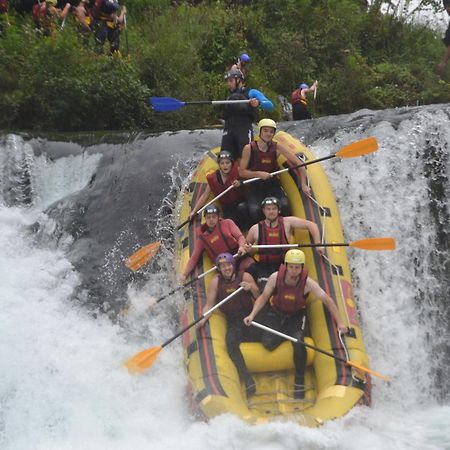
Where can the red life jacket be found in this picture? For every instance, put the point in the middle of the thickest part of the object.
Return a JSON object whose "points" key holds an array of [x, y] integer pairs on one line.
{"points": [[263, 161], [232, 197], [240, 303], [3, 6], [296, 97], [289, 299], [39, 13], [272, 236], [220, 240]]}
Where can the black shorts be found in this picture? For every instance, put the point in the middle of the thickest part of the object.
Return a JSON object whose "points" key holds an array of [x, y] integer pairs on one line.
{"points": [[235, 139], [300, 112]]}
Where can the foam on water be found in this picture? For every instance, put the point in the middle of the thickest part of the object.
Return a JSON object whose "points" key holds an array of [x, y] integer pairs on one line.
{"points": [[62, 384]]}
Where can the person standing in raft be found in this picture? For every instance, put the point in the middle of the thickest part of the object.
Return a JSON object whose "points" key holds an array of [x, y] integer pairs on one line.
{"points": [[233, 202], [286, 291], [446, 40], [239, 117], [299, 101], [259, 159], [275, 230], [217, 236], [222, 285]]}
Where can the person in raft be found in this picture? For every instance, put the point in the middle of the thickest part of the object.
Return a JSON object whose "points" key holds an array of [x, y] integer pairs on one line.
{"points": [[286, 291], [275, 229], [217, 236], [233, 202], [259, 159], [238, 307]]}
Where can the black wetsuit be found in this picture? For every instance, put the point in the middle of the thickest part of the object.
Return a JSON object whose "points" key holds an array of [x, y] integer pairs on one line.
{"points": [[239, 118]]}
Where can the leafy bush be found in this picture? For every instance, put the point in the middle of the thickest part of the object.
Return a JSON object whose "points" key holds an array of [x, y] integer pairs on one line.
{"points": [[361, 57]]}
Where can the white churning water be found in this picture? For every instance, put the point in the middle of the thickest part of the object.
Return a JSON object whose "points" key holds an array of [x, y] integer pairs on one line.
{"points": [[62, 385]]}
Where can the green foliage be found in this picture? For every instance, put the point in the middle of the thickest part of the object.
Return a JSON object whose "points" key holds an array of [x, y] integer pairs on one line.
{"points": [[361, 57], [56, 83]]}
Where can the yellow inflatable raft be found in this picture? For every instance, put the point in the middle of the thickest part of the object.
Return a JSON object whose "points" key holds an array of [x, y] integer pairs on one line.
{"points": [[332, 387]]}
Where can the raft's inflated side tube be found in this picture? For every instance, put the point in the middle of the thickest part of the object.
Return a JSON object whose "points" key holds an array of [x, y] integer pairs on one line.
{"points": [[332, 388]]}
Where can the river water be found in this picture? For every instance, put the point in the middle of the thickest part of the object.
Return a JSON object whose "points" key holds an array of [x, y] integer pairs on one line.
{"points": [[62, 384]]}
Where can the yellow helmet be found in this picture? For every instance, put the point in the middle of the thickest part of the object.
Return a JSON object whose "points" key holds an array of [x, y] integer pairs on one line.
{"points": [[266, 123], [294, 256], [51, 2]]}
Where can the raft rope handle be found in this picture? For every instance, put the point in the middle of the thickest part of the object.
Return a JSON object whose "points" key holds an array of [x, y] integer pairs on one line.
{"points": [[355, 378], [346, 315], [322, 210], [323, 214], [340, 287]]}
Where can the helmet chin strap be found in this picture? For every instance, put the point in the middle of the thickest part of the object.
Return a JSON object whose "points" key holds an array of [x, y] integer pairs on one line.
{"points": [[265, 142], [272, 221], [232, 275]]}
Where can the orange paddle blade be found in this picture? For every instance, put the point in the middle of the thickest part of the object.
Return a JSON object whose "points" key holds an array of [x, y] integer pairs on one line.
{"points": [[142, 256], [374, 244], [359, 148], [365, 369], [142, 360]]}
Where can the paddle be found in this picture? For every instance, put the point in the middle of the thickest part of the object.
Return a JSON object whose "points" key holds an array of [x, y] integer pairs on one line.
{"points": [[143, 360], [199, 277], [182, 224], [317, 349], [142, 256], [353, 150], [363, 244], [165, 104], [126, 34], [358, 148]]}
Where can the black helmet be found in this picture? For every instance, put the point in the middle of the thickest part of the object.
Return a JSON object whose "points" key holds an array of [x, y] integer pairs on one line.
{"points": [[211, 209], [270, 201], [225, 154], [234, 73]]}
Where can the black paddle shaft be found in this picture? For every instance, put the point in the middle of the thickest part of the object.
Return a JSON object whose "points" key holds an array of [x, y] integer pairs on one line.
{"points": [[313, 161], [218, 305], [176, 290]]}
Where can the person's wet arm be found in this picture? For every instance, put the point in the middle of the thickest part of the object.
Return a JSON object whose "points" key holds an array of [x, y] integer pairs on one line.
{"points": [[193, 260], [312, 286]]}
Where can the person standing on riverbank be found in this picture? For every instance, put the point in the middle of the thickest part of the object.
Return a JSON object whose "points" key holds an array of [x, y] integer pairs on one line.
{"points": [[107, 24], [446, 40], [4, 22], [299, 101]]}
